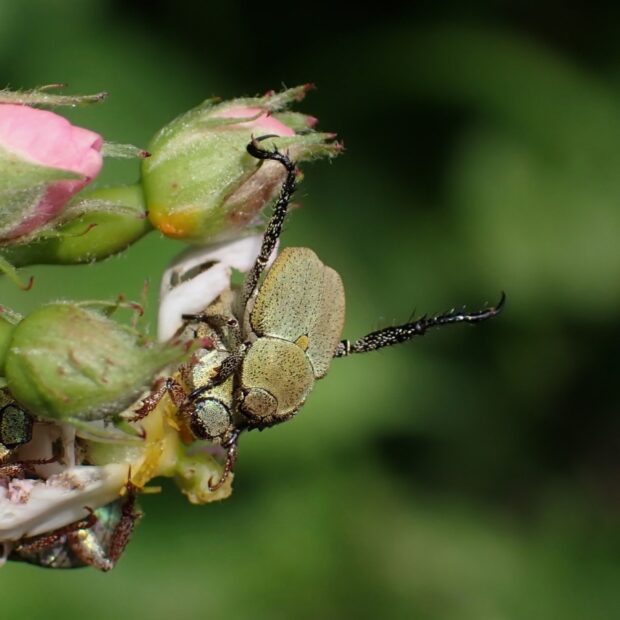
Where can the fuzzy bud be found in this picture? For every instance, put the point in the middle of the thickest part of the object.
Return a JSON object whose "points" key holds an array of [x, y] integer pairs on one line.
{"points": [[200, 183], [68, 361]]}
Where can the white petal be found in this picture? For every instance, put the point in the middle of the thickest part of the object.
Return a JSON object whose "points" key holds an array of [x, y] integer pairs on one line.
{"points": [[194, 295], [60, 500]]}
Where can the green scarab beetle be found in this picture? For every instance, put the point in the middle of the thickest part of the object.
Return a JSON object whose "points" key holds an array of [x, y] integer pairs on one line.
{"points": [[269, 342]]}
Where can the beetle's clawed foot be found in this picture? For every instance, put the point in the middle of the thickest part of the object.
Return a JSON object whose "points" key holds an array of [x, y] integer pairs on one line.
{"points": [[256, 146], [461, 314], [231, 458], [256, 150], [499, 306]]}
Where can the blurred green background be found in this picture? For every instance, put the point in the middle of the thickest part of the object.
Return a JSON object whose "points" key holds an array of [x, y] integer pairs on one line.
{"points": [[472, 475]]}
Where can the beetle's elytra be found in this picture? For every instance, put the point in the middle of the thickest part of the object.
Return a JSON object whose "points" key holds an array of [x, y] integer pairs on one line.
{"points": [[272, 340]]}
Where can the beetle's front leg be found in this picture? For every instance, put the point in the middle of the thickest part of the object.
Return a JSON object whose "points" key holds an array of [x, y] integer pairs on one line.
{"points": [[162, 387], [225, 370], [231, 459], [274, 227]]}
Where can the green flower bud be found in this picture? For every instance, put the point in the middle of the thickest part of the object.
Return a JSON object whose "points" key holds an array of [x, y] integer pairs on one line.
{"points": [[67, 361], [95, 225], [200, 183]]}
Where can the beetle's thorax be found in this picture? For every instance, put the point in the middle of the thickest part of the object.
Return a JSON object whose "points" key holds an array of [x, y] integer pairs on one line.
{"points": [[276, 376]]}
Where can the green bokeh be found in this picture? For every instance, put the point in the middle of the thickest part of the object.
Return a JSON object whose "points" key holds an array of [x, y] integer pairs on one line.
{"points": [[470, 475]]}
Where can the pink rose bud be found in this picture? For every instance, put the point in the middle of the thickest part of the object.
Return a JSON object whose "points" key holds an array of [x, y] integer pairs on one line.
{"points": [[202, 186], [44, 161]]}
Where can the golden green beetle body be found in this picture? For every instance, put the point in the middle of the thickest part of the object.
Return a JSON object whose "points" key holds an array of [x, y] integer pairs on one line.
{"points": [[297, 319], [287, 336]]}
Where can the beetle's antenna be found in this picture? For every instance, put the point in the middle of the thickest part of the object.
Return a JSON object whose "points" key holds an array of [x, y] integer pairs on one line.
{"points": [[274, 227], [231, 458], [401, 333]]}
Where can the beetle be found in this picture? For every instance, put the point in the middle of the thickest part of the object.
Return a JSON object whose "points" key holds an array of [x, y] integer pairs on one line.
{"points": [[97, 540], [270, 342]]}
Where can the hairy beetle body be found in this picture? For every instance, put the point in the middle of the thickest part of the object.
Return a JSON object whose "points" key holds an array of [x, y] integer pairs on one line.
{"points": [[272, 340]]}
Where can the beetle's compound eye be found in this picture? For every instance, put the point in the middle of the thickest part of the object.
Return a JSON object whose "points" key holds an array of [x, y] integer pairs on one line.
{"points": [[15, 426], [210, 419], [259, 406]]}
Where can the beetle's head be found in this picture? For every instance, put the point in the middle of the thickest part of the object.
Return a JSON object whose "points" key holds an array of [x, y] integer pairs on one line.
{"points": [[210, 418]]}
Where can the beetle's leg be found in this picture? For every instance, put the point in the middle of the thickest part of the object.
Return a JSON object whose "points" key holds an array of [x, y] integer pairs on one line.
{"points": [[34, 544], [231, 459], [95, 554], [225, 370], [22, 468], [12, 470], [160, 389], [274, 227], [122, 532], [219, 323], [401, 333]]}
